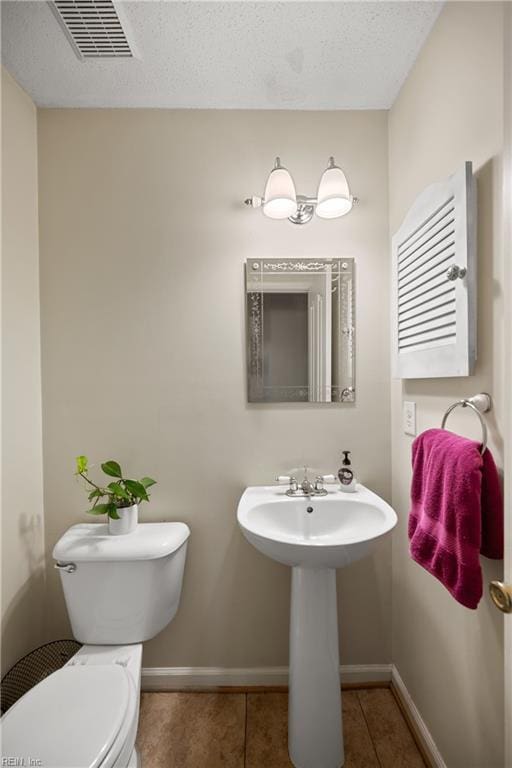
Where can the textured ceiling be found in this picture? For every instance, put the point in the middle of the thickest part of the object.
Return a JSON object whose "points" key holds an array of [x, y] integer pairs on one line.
{"points": [[242, 55]]}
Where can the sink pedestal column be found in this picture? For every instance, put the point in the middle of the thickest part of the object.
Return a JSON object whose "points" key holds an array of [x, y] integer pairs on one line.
{"points": [[315, 738]]}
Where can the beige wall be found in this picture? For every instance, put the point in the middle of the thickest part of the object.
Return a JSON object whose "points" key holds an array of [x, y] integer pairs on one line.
{"points": [[450, 110], [22, 482], [143, 242]]}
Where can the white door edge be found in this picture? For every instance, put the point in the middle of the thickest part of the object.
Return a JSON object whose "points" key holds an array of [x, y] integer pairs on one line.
{"points": [[507, 246]]}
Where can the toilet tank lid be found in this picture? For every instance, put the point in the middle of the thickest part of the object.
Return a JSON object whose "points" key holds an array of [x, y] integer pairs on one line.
{"points": [[91, 542]]}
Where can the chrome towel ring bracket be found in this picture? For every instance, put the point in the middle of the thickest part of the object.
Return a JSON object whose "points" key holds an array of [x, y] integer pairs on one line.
{"points": [[480, 404]]}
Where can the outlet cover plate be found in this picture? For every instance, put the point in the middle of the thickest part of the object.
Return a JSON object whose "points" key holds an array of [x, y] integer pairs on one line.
{"points": [[409, 417]]}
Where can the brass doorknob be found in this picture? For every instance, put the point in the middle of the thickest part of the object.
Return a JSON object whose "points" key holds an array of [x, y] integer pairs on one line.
{"points": [[501, 595]]}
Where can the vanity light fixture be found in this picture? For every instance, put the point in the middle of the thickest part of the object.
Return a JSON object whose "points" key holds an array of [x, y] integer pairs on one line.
{"points": [[282, 202]]}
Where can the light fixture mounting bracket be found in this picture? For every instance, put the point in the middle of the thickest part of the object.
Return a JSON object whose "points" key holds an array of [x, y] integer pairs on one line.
{"points": [[305, 211], [305, 207]]}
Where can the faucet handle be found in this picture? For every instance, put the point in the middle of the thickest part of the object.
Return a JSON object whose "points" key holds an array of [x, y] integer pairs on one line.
{"points": [[321, 479], [292, 481]]}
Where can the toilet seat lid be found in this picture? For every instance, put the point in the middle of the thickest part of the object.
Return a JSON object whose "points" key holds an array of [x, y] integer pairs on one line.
{"points": [[71, 718]]}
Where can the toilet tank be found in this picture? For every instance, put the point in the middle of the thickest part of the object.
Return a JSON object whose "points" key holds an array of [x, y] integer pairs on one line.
{"points": [[121, 589]]}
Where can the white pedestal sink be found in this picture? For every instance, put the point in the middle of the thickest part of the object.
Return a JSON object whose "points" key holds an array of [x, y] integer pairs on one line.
{"points": [[314, 536]]}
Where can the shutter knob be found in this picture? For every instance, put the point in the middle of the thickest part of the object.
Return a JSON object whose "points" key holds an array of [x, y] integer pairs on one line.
{"points": [[455, 272]]}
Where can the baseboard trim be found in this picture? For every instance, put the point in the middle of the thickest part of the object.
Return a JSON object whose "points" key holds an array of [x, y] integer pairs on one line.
{"points": [[423, 737], [205, 678]]}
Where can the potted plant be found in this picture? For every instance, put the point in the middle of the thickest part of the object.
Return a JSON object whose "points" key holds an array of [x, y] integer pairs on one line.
{"points": [[119, 500]]}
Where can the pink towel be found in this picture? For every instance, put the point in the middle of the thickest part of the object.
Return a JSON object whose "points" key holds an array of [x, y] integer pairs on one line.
{"points": [[456, 511]]}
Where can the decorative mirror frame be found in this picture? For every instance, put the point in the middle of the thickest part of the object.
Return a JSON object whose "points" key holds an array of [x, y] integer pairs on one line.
{"points": [[256, 270]]}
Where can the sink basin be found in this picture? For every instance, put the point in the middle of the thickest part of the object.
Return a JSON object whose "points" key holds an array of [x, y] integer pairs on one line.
{"points": [[314, 536], [322, 532]]}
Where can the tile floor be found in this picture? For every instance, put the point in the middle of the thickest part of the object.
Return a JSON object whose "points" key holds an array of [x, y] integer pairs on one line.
{"points": [[238, 730]]}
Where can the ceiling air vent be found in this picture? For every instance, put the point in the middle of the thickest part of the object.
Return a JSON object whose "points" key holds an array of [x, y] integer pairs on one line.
{"points": [[94, 28]]}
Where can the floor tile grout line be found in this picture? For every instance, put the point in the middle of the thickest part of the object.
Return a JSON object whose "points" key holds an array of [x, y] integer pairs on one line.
{"points": [[245, 730], [369, 730], [415, 738]]}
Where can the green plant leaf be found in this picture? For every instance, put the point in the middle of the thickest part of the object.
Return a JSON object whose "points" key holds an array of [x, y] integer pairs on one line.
{"points": [[112, 468], [81, 464], [112, 512], [99, 509], [118, 490], [136, 489], [95, 494], [147, 482]]}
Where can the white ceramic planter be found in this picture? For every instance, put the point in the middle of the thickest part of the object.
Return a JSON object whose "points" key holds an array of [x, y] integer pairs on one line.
{"points": [[127, 523]]}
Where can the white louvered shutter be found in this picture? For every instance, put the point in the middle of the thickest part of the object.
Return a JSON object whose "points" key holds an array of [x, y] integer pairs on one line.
{"points": [[434, 306]]}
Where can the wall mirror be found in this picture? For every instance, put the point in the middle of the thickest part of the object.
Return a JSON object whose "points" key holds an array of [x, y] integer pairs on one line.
{"points": [[300, 330]]}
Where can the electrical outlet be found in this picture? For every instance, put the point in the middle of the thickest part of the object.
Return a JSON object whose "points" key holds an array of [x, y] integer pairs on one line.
{"points": [[409, 417]]}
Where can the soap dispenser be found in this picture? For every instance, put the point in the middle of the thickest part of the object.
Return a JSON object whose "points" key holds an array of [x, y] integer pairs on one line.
{"points": [[346, 474]]}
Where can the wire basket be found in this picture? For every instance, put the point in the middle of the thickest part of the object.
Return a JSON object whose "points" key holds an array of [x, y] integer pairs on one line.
{"points": [[33, 668]]}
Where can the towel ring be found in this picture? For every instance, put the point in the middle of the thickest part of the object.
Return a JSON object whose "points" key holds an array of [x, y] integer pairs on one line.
{"points": [[480, 404]]}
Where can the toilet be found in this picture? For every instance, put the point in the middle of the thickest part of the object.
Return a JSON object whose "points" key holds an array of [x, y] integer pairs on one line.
{"points": [[119, 592]]}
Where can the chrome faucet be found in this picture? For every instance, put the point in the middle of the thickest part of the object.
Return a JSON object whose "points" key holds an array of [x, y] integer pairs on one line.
{"points": [[306, 488]]}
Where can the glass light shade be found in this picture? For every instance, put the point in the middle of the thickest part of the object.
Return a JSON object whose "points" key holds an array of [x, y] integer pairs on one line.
{"points": [[334, 198], [280, 197]]}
